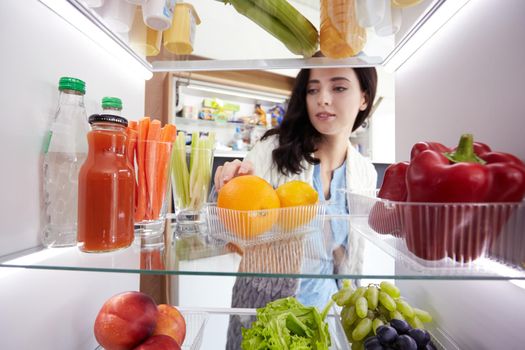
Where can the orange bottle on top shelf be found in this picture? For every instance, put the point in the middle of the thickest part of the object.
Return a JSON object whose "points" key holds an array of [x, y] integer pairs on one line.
{"points": [[106, 188], [341, 35]]}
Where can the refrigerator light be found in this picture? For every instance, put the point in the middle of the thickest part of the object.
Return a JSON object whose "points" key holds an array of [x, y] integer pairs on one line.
{"points": [[443, 12], [71, 11]]}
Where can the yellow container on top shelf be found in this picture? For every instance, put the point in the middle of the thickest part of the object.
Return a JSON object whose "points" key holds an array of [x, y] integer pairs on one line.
{"points": [[144, 40], [179, 38]]}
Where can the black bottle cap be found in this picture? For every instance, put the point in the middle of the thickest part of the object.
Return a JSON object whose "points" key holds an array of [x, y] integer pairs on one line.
{"points": [[107, 118]]}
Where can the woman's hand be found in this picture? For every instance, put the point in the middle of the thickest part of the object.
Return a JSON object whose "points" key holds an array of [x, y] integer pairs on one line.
{"points": [[229, 170]]}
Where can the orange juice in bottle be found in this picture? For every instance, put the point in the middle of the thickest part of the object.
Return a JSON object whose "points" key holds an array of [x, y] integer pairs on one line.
{"points": [[341, 35]]}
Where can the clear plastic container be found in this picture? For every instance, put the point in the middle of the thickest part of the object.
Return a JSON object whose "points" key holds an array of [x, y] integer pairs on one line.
{"points": [[143, 39], [341, 35], [157, 14], [118, 15], [195, 327], [439, 337], [391, 22], [370, 12], [447, 237], [252, 227]]}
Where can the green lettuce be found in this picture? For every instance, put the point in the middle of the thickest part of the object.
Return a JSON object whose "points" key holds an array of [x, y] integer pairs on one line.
{"points": [[286, 324]]}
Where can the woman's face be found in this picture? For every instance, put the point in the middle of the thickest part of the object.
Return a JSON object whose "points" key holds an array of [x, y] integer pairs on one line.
{"points": [[333, 99]]}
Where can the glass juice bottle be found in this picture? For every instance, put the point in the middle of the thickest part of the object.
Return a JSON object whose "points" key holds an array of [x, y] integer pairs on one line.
{"points": [[106, 188], [64, 152]]}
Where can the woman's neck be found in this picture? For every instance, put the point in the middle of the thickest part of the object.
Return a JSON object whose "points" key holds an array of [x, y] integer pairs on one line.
{"points": [[332, 152]]}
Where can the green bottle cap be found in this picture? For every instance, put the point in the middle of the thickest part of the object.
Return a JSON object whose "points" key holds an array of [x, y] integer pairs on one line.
{"points": [[111, 102], [68, 83]]}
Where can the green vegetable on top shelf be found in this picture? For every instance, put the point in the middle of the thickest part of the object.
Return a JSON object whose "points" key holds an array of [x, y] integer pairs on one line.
{"points": [[288, 324], [283, 21]]}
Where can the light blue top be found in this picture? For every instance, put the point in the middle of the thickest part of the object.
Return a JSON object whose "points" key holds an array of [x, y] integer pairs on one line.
{"points": [[317, 291]]}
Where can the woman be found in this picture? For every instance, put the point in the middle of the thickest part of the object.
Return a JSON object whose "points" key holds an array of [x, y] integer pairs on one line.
{"points": [[312, 144]]}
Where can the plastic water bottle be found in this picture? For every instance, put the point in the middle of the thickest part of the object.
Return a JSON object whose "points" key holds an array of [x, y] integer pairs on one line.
{"points": [[64, 152], [237, 144]]}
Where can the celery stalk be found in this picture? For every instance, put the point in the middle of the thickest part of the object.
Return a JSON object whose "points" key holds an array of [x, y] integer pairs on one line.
{"points": [[180, 170]]}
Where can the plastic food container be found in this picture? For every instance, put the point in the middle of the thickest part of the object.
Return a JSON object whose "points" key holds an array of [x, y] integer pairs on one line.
{"points": [[195, 326], [143, 39], [157, 14], [179, 38], [252, 227], [461, 237], [370, 12], [439, 337], [391, 22], [118, 15]]}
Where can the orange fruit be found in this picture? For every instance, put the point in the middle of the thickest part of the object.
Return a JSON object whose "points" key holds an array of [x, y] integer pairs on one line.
{"points": [[300, 199], [251, 199]]}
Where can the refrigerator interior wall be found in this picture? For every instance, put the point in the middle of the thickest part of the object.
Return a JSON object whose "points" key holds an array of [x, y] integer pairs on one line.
{"points": [[38, 47], [469, 78]]}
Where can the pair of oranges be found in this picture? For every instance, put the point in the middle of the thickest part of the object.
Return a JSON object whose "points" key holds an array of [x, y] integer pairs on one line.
{"points": [[255, 204]]}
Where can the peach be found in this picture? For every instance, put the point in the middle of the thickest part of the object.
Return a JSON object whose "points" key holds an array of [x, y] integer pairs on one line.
{"points": [[159, 342], [171, 323], [125, 320]]}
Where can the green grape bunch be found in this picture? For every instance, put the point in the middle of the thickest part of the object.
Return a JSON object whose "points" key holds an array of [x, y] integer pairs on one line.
{"points": [[366, 308]]}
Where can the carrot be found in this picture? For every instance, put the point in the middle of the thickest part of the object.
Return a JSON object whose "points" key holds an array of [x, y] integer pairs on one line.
{"points": [[134, 125], [167, 137], [143, 128], [150, 164], [131, 142], [130, 145]]}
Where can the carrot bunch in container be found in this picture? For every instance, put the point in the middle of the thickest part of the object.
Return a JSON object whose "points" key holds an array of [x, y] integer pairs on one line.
{"points": [[149, 149]]}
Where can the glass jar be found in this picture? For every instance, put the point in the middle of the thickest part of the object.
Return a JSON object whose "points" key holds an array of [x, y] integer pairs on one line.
{"points": [[106, 188]]}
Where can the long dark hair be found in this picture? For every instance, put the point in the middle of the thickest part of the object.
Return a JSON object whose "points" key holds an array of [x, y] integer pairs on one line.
{"points": [[297, 136]]}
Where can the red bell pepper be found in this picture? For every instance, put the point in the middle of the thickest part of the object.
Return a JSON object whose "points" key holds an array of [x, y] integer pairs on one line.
{"points": [[508, 173], [470, 173], [433, 230], [384, 218], [426, 145]]}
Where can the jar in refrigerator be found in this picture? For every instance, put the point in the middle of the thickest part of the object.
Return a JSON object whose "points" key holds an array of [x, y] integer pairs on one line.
{"points": [[112, 105], [65, 150], [106, 185], [340, 35]]}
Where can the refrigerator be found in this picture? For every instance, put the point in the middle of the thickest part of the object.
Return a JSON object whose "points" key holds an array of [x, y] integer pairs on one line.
{"points": [[466, 77]]}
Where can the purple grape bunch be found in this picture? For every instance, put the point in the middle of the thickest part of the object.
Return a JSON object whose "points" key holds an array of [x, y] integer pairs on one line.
{"points": [[399, 335]]}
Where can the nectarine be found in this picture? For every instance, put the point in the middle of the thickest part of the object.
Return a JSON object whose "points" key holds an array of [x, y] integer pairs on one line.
{"points": [[171, 322], [159, 342], [125, 320]]}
